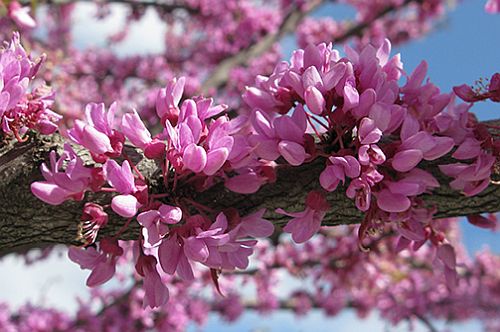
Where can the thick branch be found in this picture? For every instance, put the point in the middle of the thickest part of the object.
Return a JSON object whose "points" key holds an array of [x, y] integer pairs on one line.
{"points": [[27, 222]]}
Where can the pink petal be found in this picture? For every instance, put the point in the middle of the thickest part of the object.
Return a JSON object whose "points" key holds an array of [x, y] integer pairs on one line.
{"points": [[366, 101], [470, 148], [156, 293], [170, 214], [101, 273], [121, 178], [368, 132], [184, 268], [86, 258], [312, 56], [148, 218], [168, 254], [95, 141], [390, 202], [443, 145], [262, 123], [195, 249], [328, 179], [194, 158], [151, 235], [314, 100], [215, 160], [333, 77], [125, 205], [293, 152], [406, 160], [480, 221], [465, 92], [446, 254], [311, 77], [302, 229], [244, 183], [49, 193], [409, 128], [351, 97], [354, 168], [135, 130], [256, 98], [255, 226]]}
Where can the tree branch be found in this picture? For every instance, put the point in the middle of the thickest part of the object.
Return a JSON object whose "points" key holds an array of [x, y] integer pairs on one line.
{"points": [[219, 76], [27, 221], [426, 322], [358, 29], [166, 7]]}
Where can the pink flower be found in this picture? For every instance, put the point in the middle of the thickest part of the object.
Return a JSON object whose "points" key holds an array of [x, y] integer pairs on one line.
{"points": [[234, 250], [360, 190], [370, 154], [134, 129], [471, 179], [255, 225], [335, 173], [305, 224], [446, 254], [196, 147], [155, 223], [122, 179], [396, 197], [492, 6], [368, 133], [23, 107], [97, 133], [156, 293], [21, 15], [168, 100], [60, 186], [418, 146], [93, 219], [205, 243], [173, 259], [102, 263], [466, 93], [283, 135]]}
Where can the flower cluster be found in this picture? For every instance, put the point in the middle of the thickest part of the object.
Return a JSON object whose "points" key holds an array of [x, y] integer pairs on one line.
{"points": [[193, 150], [349, 112], [338, 276], [373, 133], [21, 109]]}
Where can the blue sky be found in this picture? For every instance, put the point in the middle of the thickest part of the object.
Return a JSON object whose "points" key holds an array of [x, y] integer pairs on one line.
{"points": [[464, 48]]}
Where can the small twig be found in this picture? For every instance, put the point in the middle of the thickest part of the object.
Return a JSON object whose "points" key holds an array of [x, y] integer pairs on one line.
{"points": [[426, 322]]}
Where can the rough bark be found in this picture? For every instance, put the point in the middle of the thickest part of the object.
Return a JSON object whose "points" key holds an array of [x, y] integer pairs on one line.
{"points": [[27, 222]]}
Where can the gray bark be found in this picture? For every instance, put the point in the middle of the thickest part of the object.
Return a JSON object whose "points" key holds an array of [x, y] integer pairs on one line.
{"points": [[27, 222]]}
